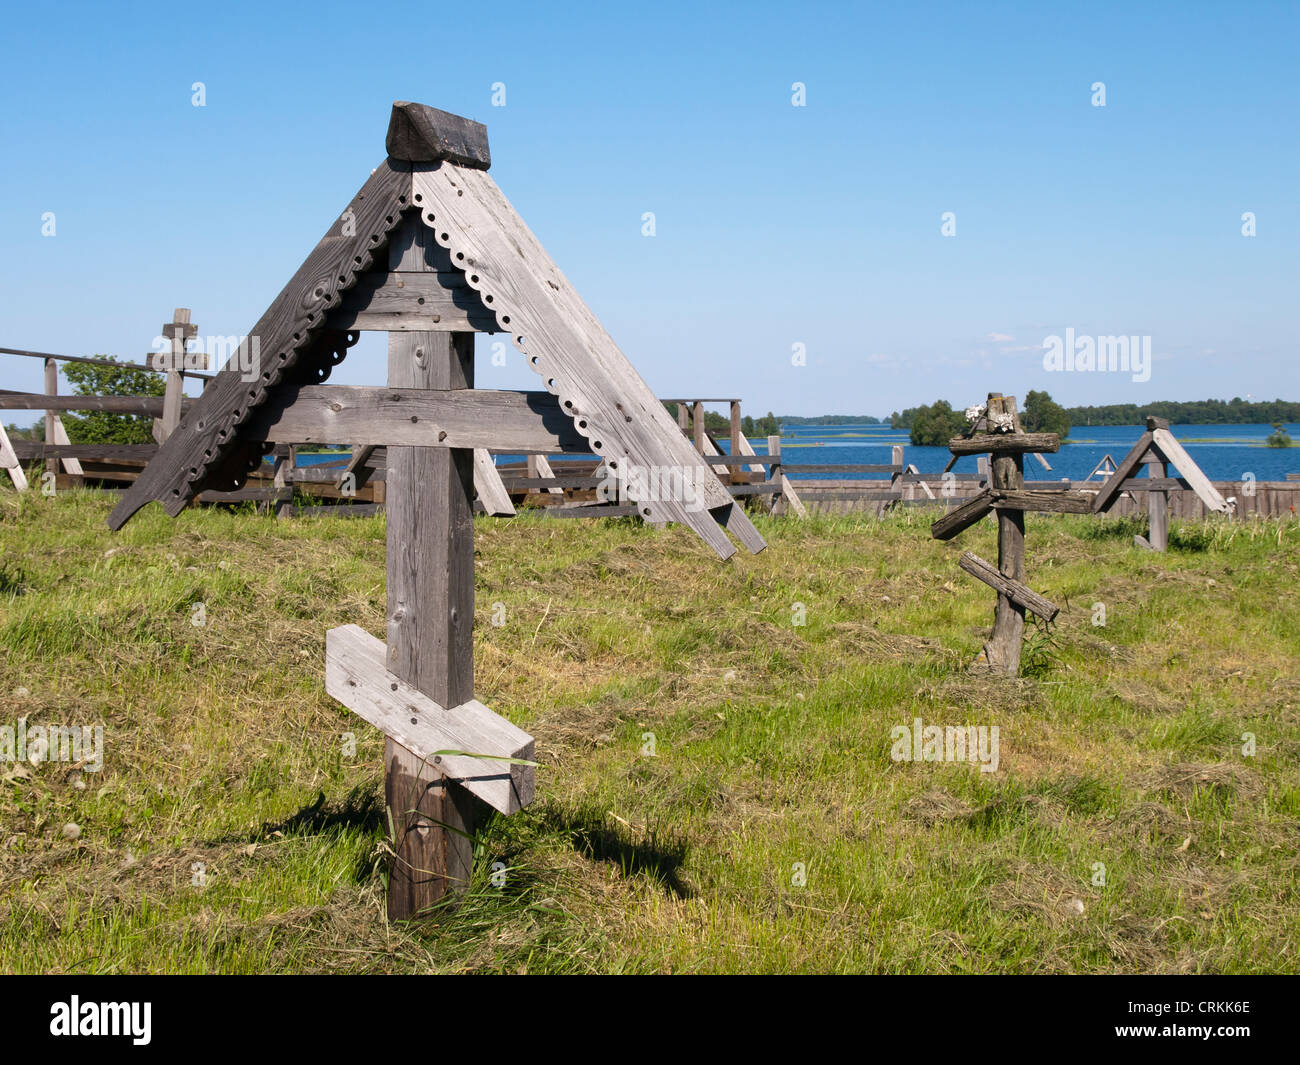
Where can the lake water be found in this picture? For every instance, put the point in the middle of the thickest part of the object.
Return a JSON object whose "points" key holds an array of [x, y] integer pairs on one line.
{"points": [[1224, 452]]}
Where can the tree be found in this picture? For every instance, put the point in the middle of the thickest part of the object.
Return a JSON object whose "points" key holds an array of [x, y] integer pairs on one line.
{"points": [[105, 427], [1279, 437], [935, 425], [1042, 415]]}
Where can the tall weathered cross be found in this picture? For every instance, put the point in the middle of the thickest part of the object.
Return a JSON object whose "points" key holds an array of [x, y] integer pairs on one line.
{"points": [[432, 252], [997, 432]]}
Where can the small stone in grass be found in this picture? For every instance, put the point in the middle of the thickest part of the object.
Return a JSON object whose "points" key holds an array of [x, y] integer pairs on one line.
{"points": [[71, 831], [728, 676], [21, 693], [1076, 906]]}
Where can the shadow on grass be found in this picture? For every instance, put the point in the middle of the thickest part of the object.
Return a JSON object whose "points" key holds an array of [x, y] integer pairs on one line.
{"points": [[656, 853], [360, 810]]}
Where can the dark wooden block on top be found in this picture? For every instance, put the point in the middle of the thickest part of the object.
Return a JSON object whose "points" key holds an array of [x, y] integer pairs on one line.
{"points": [[418, 133]]}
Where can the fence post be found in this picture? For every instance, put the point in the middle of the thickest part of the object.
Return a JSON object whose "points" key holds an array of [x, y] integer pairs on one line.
{"points": [[51, 389], [735, 473], [774, 474], [896, 478]]}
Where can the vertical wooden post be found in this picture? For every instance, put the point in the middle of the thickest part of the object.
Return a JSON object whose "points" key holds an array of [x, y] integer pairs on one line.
{"points": [[1004, 644], [774, 473], [1157, 505], [51, 389], [429, 501], [697, 411], [896, 478], [735, 473], [286, 461]]}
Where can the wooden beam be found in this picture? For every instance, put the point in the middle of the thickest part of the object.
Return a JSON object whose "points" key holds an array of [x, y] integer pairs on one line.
{"points": [[418, 133], [962, 517], [142, 405], [410, 300], [1157, 503], [36, 449], [1110, 488], [355, 675], [356, 466], [1174, 452], [566, 344], [206, 444], [9, 461], [51, 389], [1004, 442], [539, 468], [487, 483], [1015, 590], [69, 461], [91, 361], [1055, 500], [429, 501], [527, 422]]}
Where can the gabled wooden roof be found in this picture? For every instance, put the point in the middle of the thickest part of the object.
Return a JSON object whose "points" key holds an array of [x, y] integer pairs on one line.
{"points": [[496, 254], [1159, 443]]}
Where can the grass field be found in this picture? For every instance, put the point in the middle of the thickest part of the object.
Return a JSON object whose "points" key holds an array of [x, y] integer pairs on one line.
{"points": [[232, 829]]}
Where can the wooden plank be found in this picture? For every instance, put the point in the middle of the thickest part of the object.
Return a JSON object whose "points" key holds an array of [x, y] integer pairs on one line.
{"points": [[1174, 452], [740, 460], [61, 438], [1050, 501], [505, 421], [142, 405], [1019, 592], [487, 483], [888, 495], [610, 403], [51, 389], [355, 675], [9, 461], [283, 479], [35, 449], [1157, 503], [206, 445], [422, 134], [598, 510], [413, 300], [91, 361], [538, 467], [735, 427], [789, 498], [429, 503], [357, 467], [1111, 487], [846, 468], [962, 517], [258, 493], [1004, 442]]}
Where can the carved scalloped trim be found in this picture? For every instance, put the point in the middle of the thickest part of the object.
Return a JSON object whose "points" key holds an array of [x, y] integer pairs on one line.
{"points": [[311, 319], [553, 379]]}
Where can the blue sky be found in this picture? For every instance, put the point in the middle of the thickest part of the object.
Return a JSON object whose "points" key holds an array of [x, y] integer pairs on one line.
{"points": [[776, 225]]}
